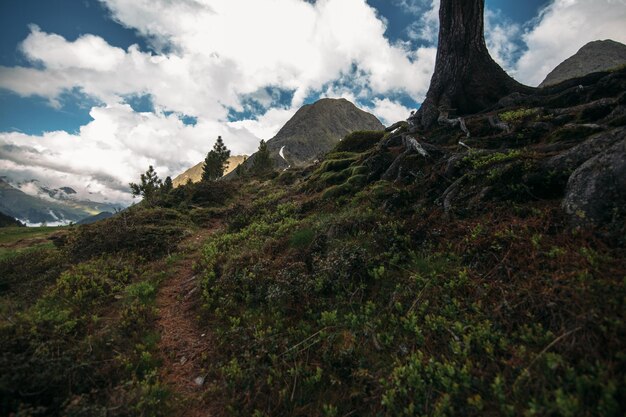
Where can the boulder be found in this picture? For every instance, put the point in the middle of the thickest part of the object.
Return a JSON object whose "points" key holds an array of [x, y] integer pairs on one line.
{"points": [[572, 158], [596, 191]]}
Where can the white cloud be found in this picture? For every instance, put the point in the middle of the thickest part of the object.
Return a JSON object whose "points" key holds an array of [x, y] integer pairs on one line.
{"points": [[210, 57], [563, 28], [264, 126], [222, 52], [388, 111], [114, 149], [87, 52], [500, 36], [214, 56], [425, 28]]}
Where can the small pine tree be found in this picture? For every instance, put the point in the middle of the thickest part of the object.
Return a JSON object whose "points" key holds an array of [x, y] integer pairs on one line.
{"points": [[262, 163], [215, 161], [167, 185], [150, 184]]}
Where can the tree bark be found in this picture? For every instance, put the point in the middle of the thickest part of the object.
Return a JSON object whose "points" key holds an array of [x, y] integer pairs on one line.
{"points": [[466, 79]]}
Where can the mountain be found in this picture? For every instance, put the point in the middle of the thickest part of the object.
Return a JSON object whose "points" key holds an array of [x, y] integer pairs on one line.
{"points": [[195, 173], [8, 221], [594, 57], [92, 219], [43, 204], [405, 274], [314, 130]]}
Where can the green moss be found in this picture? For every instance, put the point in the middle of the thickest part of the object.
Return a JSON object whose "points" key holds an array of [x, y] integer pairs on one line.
{"points": [[334, 178], [357, 180], [337, 191], [302, 238], [335, 164], [477, 161], [359, 170], [516, 115], [359, 141]]}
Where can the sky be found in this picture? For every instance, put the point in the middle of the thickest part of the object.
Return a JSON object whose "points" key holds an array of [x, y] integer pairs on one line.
{"points": [[92, 92]]}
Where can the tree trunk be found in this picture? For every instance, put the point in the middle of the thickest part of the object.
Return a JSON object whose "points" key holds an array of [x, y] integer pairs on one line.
{"points": [[466, 79]]}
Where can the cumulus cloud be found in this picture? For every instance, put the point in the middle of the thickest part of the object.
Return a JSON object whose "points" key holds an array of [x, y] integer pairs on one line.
{"points": [[501, 35], [426, 27], [87, 52], [388, 111], [207, 59], [565, 26], [217, 54], [113, 149]]}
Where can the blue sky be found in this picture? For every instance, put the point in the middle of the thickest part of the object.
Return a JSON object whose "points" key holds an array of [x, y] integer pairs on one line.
{"points": [[72, 18], [99, 89]]}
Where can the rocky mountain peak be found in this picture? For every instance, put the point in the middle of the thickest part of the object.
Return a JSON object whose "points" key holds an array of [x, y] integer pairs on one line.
{"points": [[315, 129], [601, 55]]}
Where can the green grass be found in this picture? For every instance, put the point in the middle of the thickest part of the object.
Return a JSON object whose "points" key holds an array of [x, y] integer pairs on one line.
{"points": [[335, 296], [16, 240], [13, 234]]}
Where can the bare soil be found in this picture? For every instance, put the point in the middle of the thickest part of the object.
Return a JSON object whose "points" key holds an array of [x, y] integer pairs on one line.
{"points": [[183, 344]]}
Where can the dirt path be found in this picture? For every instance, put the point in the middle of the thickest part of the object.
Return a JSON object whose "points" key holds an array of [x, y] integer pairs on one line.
{"points": [[183, 343]]}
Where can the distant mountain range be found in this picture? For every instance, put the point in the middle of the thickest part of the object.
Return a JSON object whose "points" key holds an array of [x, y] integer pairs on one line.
{"points": [[43, 204], [594, 57], [92, 219], [314, 130], [8, 221], [195, 172]]}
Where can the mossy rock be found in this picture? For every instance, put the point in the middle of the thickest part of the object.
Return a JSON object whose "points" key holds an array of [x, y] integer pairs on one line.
{"points": [[337, 191], [571, 133], [359, 141], [335, 164], [341, 155], [518, 114], [287, 177], [334, 178], [357, 180], [359, 170]]}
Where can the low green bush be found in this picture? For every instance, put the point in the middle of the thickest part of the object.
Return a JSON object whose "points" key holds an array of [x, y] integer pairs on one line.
{"points": [[359, 141], [152, 232]]}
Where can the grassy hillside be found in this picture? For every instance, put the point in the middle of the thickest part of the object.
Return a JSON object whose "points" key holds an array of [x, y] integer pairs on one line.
{"points": [[379, 282], [17, 239]]}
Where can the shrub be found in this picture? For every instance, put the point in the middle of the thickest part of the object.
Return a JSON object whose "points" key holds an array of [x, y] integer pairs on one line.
{"points": [[359, 141], [150, 232]]}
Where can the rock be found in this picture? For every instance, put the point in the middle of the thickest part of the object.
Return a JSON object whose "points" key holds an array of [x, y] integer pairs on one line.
{"points": [[596, 191], [571, 159], [617, 117], [511, 100], [396, 126], [550, 177], [314, 130], [593, 57]]}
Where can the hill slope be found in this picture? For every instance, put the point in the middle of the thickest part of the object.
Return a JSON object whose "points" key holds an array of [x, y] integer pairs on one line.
{"points": [[593, 57], [405, 274]]}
